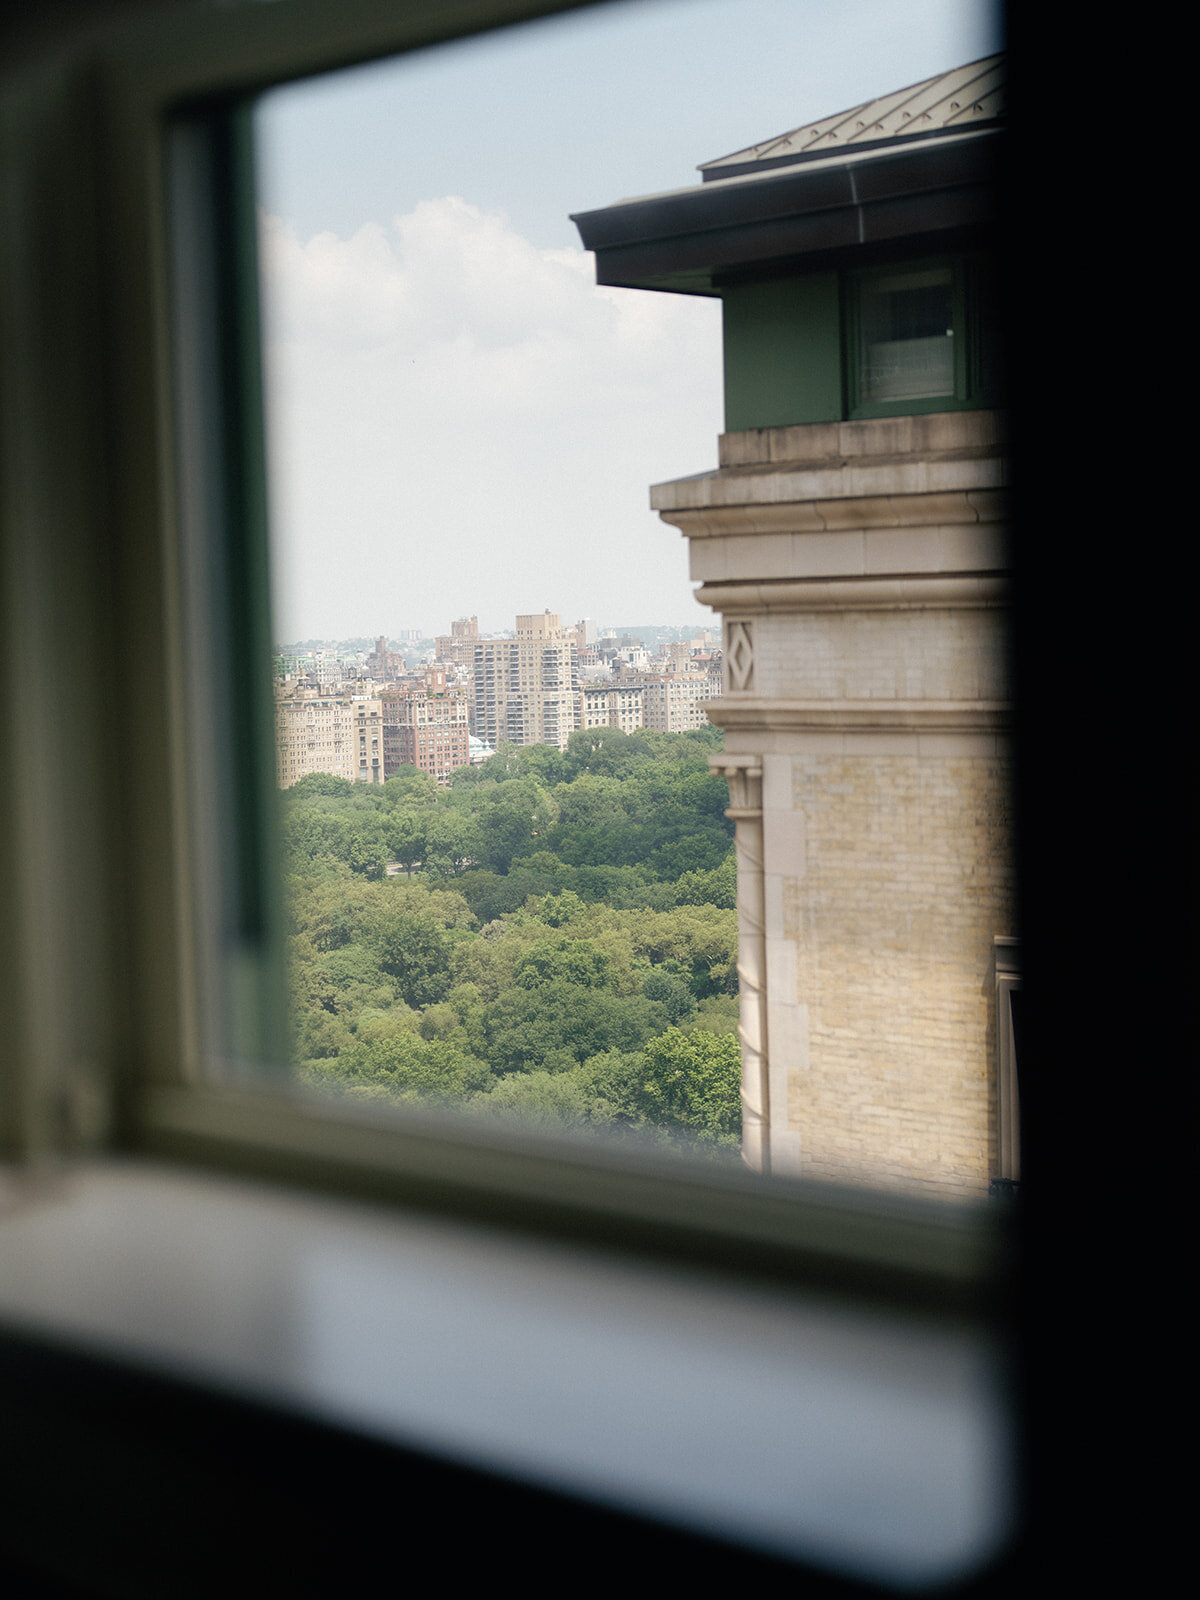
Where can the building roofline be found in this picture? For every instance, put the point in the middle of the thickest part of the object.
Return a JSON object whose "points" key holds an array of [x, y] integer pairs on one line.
{"points": [[690, 240], [967, 96]]}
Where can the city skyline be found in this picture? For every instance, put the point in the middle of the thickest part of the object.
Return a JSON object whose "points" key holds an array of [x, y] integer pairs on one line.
{"points": [[461, 697], [403, 635]]}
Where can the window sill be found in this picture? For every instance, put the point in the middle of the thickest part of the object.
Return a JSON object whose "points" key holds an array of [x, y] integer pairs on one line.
{"points": [[856, 1440]]}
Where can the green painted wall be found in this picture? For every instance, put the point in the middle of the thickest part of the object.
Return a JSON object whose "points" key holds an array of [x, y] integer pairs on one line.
{"points": [[783, 353]]}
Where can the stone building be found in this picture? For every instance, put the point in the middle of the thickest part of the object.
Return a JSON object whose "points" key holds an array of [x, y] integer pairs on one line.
{"points": [[612, 705], [338, 734], [458, 646], [852, 538], [525, 689], [677, 702]]}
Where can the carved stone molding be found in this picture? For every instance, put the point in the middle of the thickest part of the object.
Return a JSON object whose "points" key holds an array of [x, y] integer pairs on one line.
{"points": [[863, 716], [915, 592], [931, 436], [790, 507], [739, 656]]}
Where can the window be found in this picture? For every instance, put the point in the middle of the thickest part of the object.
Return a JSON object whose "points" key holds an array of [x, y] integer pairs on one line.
{"points": [[906, 336], [108, 1030], [921, 336]]}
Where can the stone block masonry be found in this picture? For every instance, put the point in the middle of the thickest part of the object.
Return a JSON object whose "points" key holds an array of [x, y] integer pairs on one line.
{"points": [[860, 572], [881, 935]]}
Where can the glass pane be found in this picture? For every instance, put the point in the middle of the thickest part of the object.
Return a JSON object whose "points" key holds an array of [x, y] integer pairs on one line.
{"points": [[908, 337], [513, 883]]}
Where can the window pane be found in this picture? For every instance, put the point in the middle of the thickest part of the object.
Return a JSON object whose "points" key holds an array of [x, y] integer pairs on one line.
{"points": [[908, 337], [513, 885]]}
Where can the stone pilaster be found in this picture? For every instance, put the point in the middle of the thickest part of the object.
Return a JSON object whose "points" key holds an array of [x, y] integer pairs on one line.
{"points": [[745, 794], [860, 572]]}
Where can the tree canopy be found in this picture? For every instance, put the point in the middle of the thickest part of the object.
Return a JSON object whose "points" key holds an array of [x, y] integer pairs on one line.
{"points": [[552, 938]]}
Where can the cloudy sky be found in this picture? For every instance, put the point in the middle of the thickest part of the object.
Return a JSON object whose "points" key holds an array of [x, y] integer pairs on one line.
{"points": [[459, 420]]}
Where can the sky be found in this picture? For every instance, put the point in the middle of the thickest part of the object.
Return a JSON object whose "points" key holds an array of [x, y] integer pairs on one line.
{"points": [[459, 421]]}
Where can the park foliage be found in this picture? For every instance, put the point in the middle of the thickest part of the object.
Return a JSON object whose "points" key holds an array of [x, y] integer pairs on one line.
{"points": [[552, 938]]}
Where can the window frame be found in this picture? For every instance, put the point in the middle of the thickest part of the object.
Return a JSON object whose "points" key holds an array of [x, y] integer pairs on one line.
{"points": [[970, 392], [1007, 962], [160, 1089], [136, 1079]]}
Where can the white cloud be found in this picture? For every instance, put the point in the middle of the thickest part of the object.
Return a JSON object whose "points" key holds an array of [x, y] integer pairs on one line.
{"points": [[460, 421]]}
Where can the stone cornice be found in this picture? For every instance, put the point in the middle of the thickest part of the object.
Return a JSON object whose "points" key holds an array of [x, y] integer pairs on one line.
{"points": [[797, 502], [937, 592], [941, 470], [932, 436], [742, 712]]}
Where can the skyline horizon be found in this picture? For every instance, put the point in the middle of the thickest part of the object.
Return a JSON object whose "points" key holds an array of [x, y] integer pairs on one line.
{"points": [[604, 630]]}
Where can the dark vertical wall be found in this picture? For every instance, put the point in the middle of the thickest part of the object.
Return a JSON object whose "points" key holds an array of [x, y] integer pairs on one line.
{"points": [[783, 357]]}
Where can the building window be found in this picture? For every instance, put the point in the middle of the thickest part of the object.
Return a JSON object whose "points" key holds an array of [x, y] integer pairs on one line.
{"points": [[906, 336], [919, 338]]}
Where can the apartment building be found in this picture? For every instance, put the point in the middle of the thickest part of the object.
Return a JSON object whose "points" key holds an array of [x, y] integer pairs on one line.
{"points": [[383, 664], [675, 702], [525, 689], [426, 728], [612, 705], [338, 734], [458, 645]]}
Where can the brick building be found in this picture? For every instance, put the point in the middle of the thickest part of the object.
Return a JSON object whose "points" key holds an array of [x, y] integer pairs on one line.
{"points": [[426, 728]]}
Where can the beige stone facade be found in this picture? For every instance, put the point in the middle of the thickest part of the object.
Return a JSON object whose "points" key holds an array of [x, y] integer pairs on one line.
{"points": [[608, 705], [458, 646], [338, 734], [678, 702], [525, 689], [859, 568]]}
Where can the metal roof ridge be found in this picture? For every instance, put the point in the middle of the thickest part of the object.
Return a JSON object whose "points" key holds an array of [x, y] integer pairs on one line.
{"points": [[822, 127]]}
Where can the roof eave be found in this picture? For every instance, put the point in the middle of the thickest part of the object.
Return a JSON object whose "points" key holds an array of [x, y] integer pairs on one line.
{"points": [[685, 241]]}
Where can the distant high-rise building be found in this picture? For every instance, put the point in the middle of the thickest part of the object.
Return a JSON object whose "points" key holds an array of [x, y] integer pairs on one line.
{"points": [[459, 644], [426, 728], [338, 734], [525, 688], [676, 703], [612, 705], [383, 664]]}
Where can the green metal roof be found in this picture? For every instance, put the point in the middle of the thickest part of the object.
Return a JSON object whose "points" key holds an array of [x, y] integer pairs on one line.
{"points": [[970, 96]]}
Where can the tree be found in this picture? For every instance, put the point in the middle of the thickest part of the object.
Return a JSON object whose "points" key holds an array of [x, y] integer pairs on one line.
{"points": [[406, 1067], [510, 819], [672, 993], [407, 839], [451, 843], [692, 1083], [415, 950], [575, 960]]}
